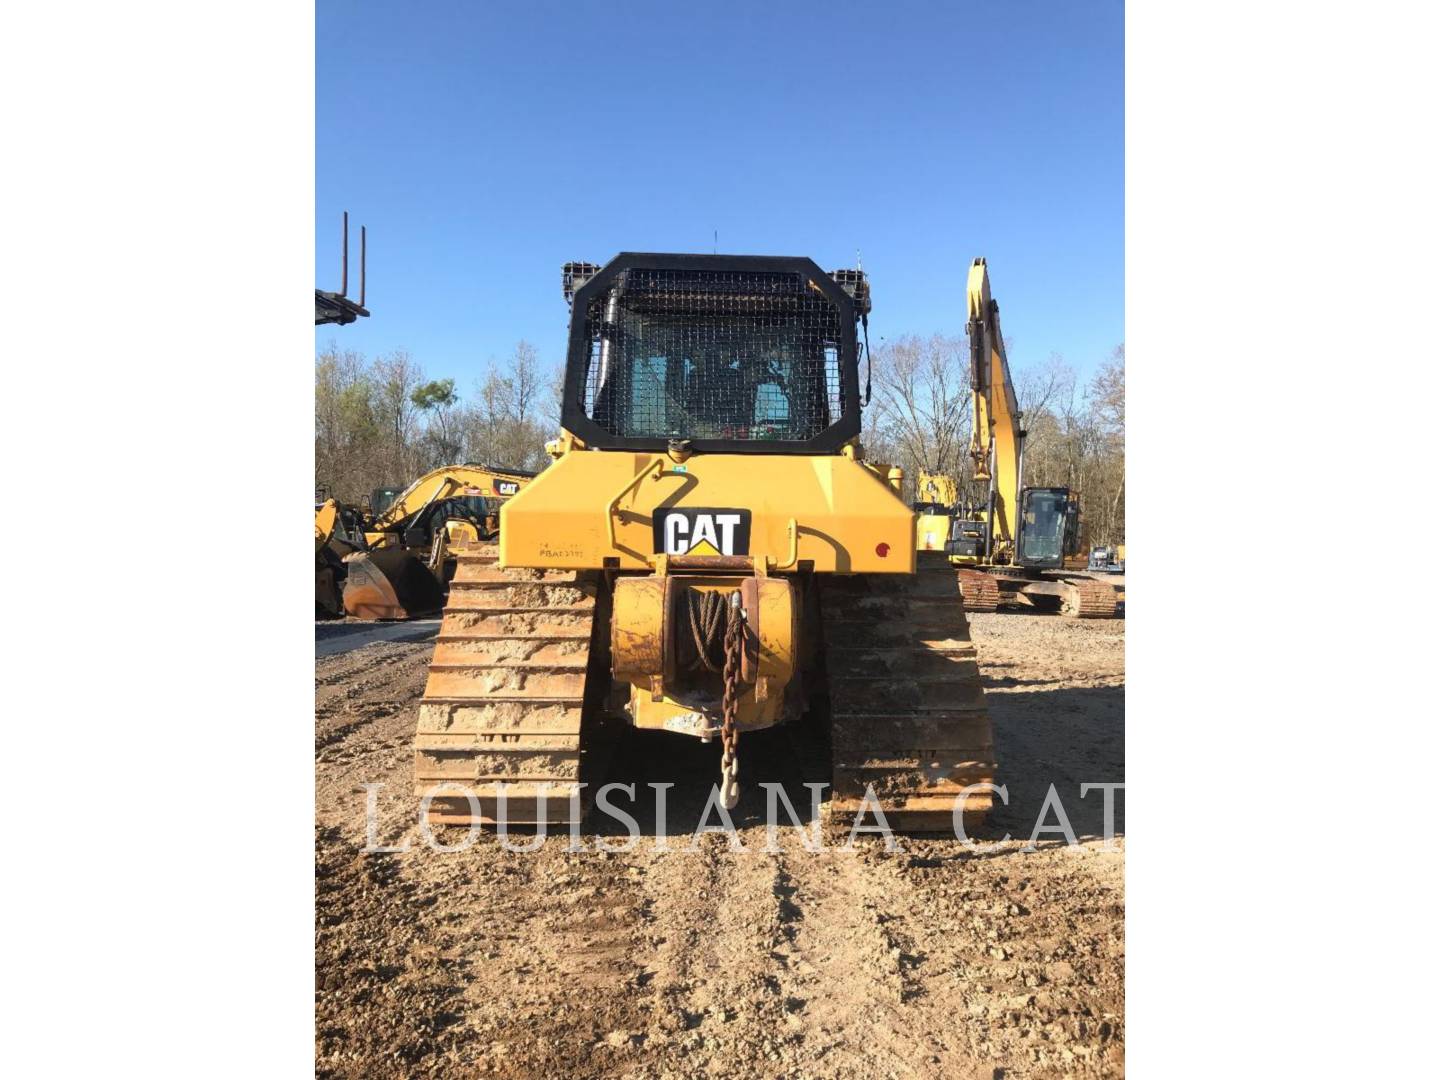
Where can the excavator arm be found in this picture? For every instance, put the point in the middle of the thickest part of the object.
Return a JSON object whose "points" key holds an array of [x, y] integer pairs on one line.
{"points": [[444, 483], [400, 578], [997, 441]]}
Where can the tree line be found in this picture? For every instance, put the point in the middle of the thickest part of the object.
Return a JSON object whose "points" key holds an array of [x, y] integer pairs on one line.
{"points": [[382, 421], [919, 418]]}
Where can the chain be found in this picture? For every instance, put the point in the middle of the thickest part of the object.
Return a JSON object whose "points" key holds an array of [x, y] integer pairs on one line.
{"points": [[729, 736]]}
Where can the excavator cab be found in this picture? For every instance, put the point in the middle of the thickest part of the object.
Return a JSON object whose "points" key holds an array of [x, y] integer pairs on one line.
{"points": [[1044, 521], [381, 498]]}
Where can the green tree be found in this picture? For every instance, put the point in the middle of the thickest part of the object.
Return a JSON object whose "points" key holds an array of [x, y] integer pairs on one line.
{"points": [[437, 401]]}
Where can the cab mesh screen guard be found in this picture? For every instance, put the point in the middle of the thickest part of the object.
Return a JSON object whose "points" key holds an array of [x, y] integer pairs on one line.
{"points": [[731, 353]]}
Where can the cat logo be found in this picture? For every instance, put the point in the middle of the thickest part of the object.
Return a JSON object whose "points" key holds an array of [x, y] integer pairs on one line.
{"points": [[702, 531], [506, 487]]}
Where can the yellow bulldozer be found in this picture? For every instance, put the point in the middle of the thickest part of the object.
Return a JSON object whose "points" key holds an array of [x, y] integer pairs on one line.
{"points": [[1012, 550], [709, 554], [411, 535]]}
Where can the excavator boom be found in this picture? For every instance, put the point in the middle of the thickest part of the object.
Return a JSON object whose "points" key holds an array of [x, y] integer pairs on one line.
{"points": [[410, 559], [450, 481], [997, 441]]}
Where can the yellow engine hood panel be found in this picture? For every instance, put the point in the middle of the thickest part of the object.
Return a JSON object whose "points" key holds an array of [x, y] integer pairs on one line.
{"points": [[849, 520]]}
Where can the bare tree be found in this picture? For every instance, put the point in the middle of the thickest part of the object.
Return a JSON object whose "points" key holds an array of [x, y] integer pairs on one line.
{"points": [[396, 376], [920, 410], [526, 380], [508, 420]]}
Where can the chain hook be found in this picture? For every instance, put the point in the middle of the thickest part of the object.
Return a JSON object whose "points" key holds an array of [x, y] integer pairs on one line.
{"points": [[729, 782]]}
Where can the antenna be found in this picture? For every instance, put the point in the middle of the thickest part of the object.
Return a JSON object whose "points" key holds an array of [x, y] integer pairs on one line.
{"points": [[362, 266], [716, 249]]}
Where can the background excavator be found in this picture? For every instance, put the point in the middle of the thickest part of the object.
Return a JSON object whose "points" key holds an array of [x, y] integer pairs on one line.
{"points": [[407, 563], [708, 555], [1012, 550]]}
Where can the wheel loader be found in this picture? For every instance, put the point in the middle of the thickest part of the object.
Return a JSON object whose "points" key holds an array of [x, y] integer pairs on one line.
{"points": [[408, 562], [710, 554], [1012, 551], [337, 535]]}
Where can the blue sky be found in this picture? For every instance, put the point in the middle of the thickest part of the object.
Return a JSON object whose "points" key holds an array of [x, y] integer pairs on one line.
{"points": [[486, 143]]}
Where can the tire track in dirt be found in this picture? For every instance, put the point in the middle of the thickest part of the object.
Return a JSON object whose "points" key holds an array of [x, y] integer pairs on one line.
{"points": [[648, 963], [360, 667], [718, 921], [1033, 951], [365, 687]]}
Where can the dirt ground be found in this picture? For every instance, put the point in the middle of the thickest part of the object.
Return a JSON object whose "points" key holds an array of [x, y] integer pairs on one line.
{"points": [[931, 960]]}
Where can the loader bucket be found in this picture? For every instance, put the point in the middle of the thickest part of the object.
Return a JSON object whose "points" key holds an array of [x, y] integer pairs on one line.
{"points": [[390, 583], [329, 603]]}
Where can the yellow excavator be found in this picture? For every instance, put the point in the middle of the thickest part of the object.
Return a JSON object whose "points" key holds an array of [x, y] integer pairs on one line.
{"points": [[411, 536], [1012, 550], [709, 554]]}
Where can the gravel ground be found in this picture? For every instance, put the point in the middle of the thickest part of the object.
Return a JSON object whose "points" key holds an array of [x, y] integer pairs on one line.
{"points": [[925, 961]]}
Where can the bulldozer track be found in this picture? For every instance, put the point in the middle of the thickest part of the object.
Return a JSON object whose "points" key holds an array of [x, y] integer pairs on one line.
{"points": [[979, 591], [908, 715], [505, 695]]}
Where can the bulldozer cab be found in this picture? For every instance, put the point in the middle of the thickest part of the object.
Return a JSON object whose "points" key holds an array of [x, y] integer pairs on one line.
{"points": [[728, 354], [1044, 521]]}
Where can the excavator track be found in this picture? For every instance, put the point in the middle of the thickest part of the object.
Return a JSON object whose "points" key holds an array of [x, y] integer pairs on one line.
{"points": [[1076, 597], [505, 701], [907, 710], [979, 591], [1091, 599]]}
